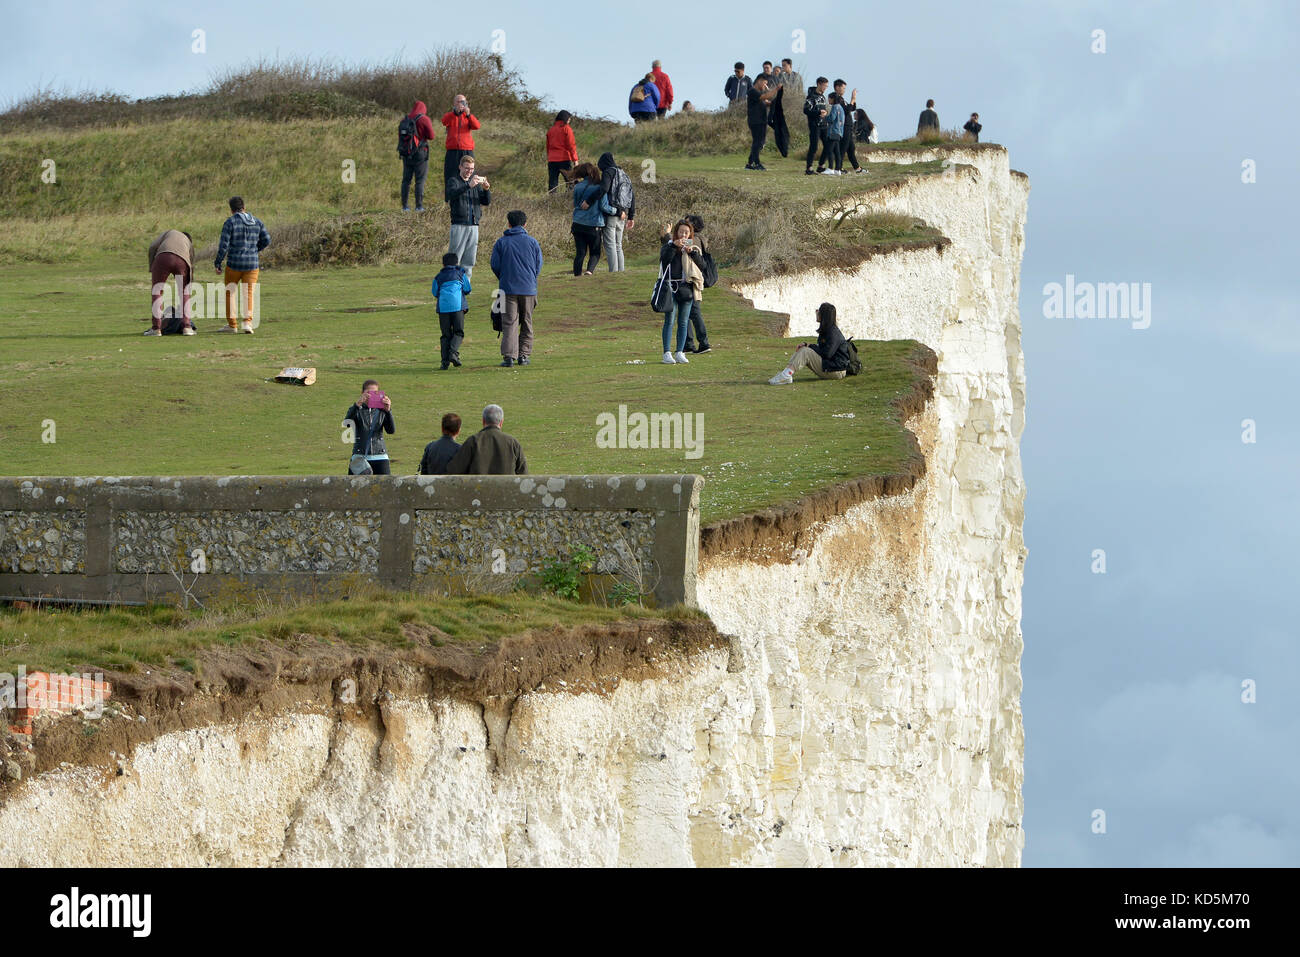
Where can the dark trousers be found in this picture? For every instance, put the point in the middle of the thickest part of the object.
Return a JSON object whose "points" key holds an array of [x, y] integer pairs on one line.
{"points": [[661, 112], [415, 167], [586, 240], [642, 117], [697, 330], [758, 136], [166, 265], [451, 163], [834, 154], [453, 334], [815, 138], [847, 149], [553, 173]]}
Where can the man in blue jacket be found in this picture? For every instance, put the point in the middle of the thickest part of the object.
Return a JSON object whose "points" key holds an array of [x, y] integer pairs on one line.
{"points": [[516, 262]]}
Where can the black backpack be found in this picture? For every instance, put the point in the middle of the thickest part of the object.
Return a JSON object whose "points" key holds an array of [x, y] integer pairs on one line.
{"points": [[855, 364], [173, 322], [407, 134], [620, 191], [710, 269]]}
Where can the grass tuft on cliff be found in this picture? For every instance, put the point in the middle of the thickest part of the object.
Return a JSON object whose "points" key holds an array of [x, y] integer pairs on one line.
{"points": [[62, 639]]}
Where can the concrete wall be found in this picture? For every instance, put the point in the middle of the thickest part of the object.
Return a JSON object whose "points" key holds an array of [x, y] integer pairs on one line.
{"points": [[129, 538]]}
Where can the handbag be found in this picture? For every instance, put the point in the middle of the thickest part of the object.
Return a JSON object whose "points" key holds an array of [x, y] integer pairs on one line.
{"points": [[661, 298]]}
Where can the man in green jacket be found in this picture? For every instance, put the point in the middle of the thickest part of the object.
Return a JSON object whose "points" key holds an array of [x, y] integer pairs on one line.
{"points": [[489, 451]]}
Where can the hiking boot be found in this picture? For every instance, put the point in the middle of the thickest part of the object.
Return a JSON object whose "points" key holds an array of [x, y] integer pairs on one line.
{"points": [[781, 378], [668, 359], [247, 327], [507, 362], [679, 357], [153, 332], [187, 331], [455, 359]]}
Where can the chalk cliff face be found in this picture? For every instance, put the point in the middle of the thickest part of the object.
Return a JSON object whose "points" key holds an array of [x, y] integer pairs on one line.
{"points": [[865, 709]]}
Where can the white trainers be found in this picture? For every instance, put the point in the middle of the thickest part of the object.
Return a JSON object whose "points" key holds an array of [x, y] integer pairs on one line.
{"points": [[781, 378], [151, 332], [247, 327], [680, 357], [228, 329], [187, 331], [668, 359]]}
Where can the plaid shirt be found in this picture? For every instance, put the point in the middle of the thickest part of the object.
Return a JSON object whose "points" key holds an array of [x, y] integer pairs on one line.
{"points": [[242, 238]]}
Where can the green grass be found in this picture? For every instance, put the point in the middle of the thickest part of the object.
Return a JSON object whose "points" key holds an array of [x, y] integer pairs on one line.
{"points": [[203, 405], [125, 639]]}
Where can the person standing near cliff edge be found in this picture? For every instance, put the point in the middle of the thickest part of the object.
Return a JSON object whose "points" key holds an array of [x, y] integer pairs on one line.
{"points": [[928, 122]]}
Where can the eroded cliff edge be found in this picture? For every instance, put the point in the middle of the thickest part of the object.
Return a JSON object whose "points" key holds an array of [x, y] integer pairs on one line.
{"points": [[864, 708]]}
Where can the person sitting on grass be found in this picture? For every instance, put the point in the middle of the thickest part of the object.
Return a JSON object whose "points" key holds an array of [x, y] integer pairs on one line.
{"points": [[441, 451], [828, 358], [449, 288]]}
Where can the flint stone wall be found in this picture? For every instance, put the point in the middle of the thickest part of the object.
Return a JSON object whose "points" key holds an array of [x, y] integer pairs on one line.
{"points": [[129, 538]]}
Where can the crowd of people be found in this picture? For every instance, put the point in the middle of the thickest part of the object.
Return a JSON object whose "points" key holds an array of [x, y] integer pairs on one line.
{"points": [[604, 209]]}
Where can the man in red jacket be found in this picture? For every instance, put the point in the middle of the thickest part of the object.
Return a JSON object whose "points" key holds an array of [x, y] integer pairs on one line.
{"points": [[665, 86], [460, 123], [416, 166]]}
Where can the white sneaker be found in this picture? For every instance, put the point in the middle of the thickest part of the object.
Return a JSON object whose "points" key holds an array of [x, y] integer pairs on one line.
{"points": [[228, 329], [668, 359], [151, 332], [187, 331], [680, 357], [781, 378], [828, 172], [247, 327]]}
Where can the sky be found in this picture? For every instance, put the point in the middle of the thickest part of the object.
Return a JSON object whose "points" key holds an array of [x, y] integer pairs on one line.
{"points": [[1133, 678]]}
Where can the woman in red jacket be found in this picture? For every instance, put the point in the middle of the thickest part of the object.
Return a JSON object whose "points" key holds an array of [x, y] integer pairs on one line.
{"points": [[460, 123], [561, 149]]}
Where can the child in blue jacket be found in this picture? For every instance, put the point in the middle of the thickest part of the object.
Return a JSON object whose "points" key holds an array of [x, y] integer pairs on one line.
{"points": [[450, 287]]}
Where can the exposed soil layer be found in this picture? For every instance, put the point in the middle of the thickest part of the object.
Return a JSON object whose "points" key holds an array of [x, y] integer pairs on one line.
{"points": [[776, 534], [309, 674]]}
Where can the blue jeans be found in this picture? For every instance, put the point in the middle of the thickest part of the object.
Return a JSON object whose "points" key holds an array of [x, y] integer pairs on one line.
{"points": [[682, 312]]}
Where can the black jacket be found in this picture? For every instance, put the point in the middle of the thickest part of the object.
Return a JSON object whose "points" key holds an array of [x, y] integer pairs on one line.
{"points": [[369, 426], [929, 120], [834, 350], [776, 120], [466, 202], [862, 130], [671, 256], [973, 129], [437, 454], [737, 88], [813, 104]]}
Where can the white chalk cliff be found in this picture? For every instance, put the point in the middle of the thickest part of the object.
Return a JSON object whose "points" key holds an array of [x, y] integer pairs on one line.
{"points": [[866, 711]]}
